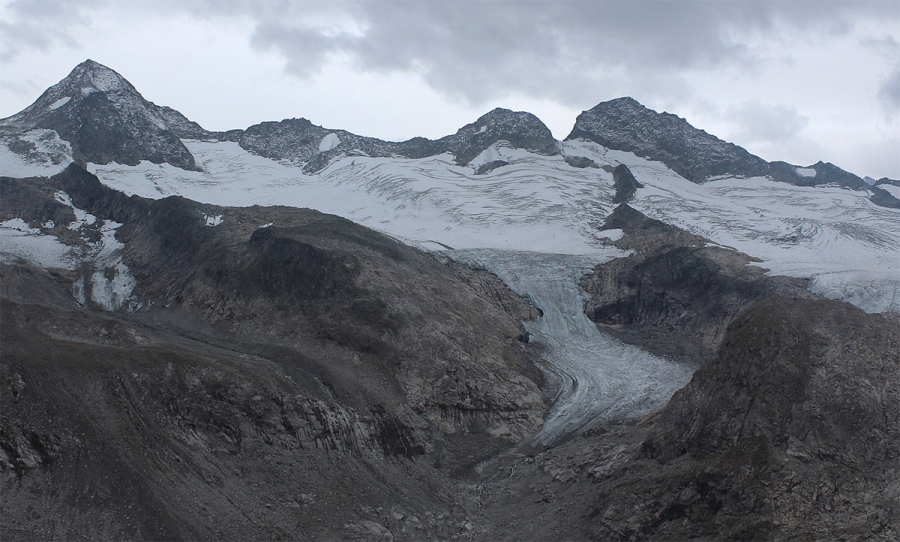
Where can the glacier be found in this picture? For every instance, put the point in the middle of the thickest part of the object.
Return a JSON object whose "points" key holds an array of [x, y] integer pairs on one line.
{"points": [[536, 223]]}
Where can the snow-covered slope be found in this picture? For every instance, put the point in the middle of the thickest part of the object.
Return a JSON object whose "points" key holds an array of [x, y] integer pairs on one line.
{"points": [[835, 236], [535, 222]]}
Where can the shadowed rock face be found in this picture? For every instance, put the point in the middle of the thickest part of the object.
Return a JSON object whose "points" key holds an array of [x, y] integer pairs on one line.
{"points": [[626, 184]]}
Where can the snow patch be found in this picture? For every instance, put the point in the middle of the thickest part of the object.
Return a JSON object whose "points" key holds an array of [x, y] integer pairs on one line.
{"points": [[612, 235], [539, 203], [329, 142], [38, 153], [59, 103], [482, 130], [502, 150], [18, 241], [805, 171], [213, 220], [104, 279], [82, 218]]}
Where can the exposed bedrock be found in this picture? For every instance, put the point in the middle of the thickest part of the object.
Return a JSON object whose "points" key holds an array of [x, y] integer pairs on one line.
{"points": [[789, 433], [626, 184], [676, 293]]}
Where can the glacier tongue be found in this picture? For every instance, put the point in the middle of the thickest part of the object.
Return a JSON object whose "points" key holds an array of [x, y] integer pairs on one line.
{"points": [[600, 378]]}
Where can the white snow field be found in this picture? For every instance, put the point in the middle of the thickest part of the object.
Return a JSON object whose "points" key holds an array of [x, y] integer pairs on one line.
{"points": [[535, 223]]}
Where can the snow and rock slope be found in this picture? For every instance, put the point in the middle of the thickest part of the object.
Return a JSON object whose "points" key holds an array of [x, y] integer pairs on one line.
{"points": [[270, 339], [499, 184]]}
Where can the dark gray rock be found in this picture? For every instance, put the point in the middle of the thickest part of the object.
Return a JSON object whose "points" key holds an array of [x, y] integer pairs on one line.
{"points": [[490, 166], [626, 184], [624, 124], [581, 162], [300, 141], [522, 130], [106, 119]]}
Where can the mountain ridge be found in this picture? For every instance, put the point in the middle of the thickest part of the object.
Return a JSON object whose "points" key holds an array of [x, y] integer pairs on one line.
{"points": [[134, 129]]}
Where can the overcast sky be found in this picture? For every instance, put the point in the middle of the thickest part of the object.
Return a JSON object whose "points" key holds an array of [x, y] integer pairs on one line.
{"points": [[795, 81]]}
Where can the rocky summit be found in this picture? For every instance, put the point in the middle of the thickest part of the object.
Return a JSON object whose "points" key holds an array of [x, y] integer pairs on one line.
{"points": [[288, 331]]}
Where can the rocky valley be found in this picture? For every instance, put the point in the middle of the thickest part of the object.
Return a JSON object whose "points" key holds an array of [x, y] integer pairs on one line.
{"points": [[293, 332]]}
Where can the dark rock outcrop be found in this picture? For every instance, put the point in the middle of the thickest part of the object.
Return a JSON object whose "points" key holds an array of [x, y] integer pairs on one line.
{"points": [[301, 141], [522, 130], [105, 119], [625, 183], [281, 361], [677, 293], [624, 124]]}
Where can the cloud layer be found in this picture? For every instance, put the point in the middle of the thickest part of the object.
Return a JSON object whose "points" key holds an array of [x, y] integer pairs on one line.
{"points": [[741, 69]]}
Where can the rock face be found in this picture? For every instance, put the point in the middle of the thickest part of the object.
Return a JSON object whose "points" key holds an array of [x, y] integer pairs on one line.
{"points": [[676, 294], [522, 130], [105, 119], [262, 348], [187, 371], [626, 184], [790, 433]]}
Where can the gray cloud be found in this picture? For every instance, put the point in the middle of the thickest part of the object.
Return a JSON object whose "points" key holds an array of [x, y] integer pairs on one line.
{"points": [[573, 52], [565, 51], [762, 123], [42, 24], [889, 92]]}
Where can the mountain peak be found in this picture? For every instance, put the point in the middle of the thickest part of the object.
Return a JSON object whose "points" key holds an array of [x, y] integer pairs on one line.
{"points": [[521, 129], [92, 74], [624, 124], [105, 119]]}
